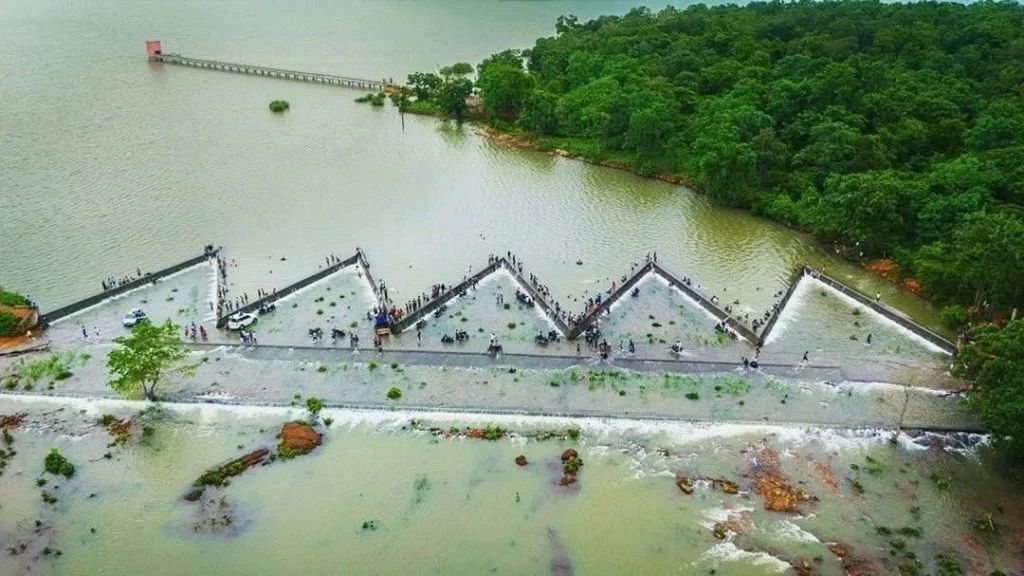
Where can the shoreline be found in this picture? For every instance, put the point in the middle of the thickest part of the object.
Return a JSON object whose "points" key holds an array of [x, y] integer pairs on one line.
{"points": [[878, 268]]}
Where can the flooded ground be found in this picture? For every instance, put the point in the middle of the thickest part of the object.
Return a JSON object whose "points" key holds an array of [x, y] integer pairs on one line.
{"points": [[386, 491]]}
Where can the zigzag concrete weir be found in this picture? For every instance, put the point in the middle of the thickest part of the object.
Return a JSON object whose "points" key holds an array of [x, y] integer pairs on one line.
{"points": [[653, 423]]}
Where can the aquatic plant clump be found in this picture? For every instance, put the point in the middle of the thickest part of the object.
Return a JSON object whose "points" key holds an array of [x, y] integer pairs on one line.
{"points": [[394, 393], [56, 464], [279, 106]]}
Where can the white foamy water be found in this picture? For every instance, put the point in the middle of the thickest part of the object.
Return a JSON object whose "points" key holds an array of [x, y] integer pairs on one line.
{"points": [[799, 298], [599, 431], [346, 270], [787, 530], [728, 552]]}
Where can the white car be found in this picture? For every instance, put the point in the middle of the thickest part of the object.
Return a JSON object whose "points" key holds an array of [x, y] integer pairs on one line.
{"points": [[134, 317], [241, 320]]}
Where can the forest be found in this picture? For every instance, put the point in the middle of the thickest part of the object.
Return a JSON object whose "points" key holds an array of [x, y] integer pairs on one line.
{"points": [[888, 130]]}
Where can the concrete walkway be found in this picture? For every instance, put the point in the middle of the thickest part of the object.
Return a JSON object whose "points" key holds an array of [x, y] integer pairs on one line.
{"points": [[868, 372]]}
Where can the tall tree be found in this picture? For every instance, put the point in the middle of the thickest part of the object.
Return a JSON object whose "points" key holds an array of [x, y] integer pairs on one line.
{"points": [[452, 97], [994, 362], [147, 357]]}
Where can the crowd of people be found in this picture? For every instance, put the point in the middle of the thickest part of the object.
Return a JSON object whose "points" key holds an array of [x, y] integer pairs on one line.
{"points": [[191, 333], [111, 282]]}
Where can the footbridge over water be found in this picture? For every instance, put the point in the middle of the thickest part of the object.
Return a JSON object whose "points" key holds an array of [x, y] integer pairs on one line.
{"points": [[155, 54]]}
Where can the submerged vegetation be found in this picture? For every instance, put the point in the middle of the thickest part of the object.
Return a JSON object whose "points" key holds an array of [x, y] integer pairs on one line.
{"points": [[374, 99]]}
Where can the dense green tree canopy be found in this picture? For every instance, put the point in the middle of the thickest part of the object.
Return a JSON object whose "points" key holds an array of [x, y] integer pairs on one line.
{"points": [[994, 362], [894, 130]]}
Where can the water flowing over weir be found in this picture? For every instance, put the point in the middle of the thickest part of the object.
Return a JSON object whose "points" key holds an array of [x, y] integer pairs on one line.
{"points": [[552, 310], [806, 276], [125, 288]]}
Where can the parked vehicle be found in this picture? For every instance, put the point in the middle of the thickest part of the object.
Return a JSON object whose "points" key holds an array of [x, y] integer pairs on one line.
{"points": [[241, 320], [134, 317]]}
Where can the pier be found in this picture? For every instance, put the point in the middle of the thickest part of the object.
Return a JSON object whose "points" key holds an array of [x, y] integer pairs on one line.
{"points": [[155, 54]]}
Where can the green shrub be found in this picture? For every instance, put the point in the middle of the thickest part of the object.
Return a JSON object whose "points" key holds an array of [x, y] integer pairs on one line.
{"points": [[955, 317], [364, 99], [394, 393], [8, 322], [8, 298], [492, 433], [692, 396], [58, 465], [314, 405], [572, 465], [372, 364], [279, 106]]}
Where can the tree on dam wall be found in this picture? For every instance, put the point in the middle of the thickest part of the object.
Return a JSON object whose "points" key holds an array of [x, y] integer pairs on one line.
{"points": [[892, 130], [146, 358]]}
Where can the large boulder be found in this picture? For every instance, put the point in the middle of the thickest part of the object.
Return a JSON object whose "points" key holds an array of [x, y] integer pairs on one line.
{"points": [[569, 453]]}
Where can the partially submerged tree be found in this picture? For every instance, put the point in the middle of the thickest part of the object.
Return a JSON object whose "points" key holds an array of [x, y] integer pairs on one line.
{"points": [[457, 69], [452, 97], [147, 356]]}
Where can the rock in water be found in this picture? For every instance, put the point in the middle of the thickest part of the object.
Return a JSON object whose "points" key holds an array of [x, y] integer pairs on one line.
{"points": [[569, 453], [297, 438], [521, 460], [684, 484]]}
